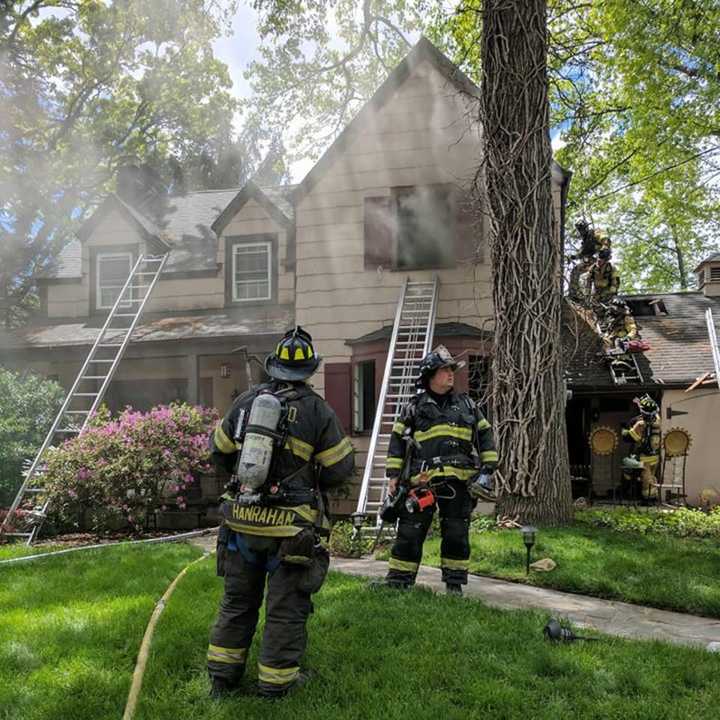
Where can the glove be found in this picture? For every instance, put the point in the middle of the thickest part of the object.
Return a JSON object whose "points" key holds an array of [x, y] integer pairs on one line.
{"points": [[483, 487], [488, 468]]}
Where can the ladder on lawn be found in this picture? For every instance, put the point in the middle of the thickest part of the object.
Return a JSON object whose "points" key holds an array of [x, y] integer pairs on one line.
{"points": [[411, 339], [85, 395], [713, 343]]}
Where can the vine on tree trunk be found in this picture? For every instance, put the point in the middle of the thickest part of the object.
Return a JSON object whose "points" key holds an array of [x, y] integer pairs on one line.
{"points": [[528, 396]]}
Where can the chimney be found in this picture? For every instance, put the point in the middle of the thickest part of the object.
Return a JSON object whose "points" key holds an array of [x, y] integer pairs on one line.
{"points": [[708, 275], [141, 187]]}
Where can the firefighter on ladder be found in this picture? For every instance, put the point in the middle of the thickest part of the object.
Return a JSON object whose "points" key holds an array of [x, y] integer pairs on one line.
{"points": [[645, 434], [274, 530], [454, 439]]}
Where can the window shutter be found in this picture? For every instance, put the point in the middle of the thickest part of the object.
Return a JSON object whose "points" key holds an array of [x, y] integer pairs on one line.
{"points": [[468, 236], [379, 219], [338, 384]]}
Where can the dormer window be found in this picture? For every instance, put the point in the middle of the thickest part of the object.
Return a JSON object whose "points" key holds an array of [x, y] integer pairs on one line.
{"points": [[250, 264], [111, 273]]}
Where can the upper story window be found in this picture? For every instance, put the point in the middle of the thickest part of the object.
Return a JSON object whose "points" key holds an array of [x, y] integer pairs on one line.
{"points": [[425, 227], [252, 271], [111, 273], [421, 227]]}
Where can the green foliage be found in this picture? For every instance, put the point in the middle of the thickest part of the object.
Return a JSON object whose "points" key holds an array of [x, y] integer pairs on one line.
{"points": [[345, 543], [683, 522], [28, 406], [119, 471], [89, 86]]}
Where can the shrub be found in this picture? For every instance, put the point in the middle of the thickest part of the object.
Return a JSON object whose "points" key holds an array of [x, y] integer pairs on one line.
{"points": [[681, 522], [344, 543], [120, 470], [28, 406]]}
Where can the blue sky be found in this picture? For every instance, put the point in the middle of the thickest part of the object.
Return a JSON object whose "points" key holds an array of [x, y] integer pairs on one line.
{"points": [[238, 50]]}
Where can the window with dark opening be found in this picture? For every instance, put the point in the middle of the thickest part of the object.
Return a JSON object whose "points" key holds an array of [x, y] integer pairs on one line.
{"points": [[715, 273], [425, 227], [363, 395], [646, 307]]}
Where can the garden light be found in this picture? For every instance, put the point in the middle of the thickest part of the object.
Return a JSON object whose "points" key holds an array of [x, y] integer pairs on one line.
{"points": [[357, 519], [528, 533]]}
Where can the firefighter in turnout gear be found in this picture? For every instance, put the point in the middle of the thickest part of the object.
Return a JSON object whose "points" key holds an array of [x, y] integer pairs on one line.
{"points": [[591, 243], [620, 326], [274, 531], [645, 434], [605, 278], [455, 454]]}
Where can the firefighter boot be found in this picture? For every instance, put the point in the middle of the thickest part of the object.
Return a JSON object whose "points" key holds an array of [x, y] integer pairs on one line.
{"points": [[452, 588], [222, 687], [267, 693]]}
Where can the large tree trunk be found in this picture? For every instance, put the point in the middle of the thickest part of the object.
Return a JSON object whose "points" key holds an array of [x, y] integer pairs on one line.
{"points": [[528, 392]]}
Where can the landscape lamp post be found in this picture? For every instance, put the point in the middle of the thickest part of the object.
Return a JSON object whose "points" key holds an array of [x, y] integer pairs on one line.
{"points": [[528, 535]]}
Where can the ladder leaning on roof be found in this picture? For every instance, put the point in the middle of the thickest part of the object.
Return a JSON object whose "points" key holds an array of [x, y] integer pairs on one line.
{"points": [[411, 339], [713, 343], [97, 370]]}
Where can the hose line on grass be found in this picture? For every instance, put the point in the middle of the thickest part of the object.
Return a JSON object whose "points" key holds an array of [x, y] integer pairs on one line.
{"points": [[144, 652], [165, 538]]}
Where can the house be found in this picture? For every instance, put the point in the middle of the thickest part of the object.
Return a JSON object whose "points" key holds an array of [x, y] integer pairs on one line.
{"points": [[680, 353], [387, 201]]}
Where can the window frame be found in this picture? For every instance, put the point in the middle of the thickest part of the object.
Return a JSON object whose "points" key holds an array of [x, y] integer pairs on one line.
{"points": [[450, 260], [359, 393], [99, 255], [231, 242]]}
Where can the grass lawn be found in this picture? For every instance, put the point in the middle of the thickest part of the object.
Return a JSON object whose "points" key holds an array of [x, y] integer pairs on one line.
{"points": [[71, 626], [658, 570], [417, 655]]}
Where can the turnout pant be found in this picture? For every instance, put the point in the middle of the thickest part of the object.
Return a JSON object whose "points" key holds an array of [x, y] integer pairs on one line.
{"points": [[288, 606], [455, 506]]}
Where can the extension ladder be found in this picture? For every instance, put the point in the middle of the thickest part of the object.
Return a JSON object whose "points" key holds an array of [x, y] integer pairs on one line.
{"points": [[411, 340], [713, 343], [85, 395]]}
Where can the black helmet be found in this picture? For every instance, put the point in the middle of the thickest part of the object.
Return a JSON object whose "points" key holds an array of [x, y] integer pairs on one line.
{"points": [[294, 357], [647, 405], [604, 254], [582, 226], [440, 357]]}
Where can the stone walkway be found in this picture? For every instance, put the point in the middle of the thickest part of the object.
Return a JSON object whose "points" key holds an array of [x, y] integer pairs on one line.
{"points": [[611, 617]]}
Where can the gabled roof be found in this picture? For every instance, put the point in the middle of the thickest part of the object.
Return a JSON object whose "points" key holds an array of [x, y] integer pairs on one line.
{"points": [[423, 50], [715, 257], [679, 343], [275, 199]]}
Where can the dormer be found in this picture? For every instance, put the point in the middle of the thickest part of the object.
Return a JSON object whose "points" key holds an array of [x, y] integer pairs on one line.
{"points": [[708, 275]]}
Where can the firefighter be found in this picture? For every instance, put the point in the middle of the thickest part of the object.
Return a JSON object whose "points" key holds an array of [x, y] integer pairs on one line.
{"points": [[604, 278], [620, 327], [453, 439], [645, 434], [591, 242], [275, 533]]}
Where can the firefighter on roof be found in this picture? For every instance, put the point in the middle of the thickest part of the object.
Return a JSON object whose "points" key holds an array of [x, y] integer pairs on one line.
{"points": [[285, 446]]}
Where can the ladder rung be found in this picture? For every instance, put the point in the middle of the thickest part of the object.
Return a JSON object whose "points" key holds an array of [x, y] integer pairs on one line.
{"points": [[17, 534], [117, 315], [68, 430], [102, 361], [138, 287], [34, 490], [86, 394], [77, 412], [110, 345]]}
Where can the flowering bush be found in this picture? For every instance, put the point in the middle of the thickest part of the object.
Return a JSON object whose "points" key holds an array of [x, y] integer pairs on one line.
{"points": [[120, 470]]}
